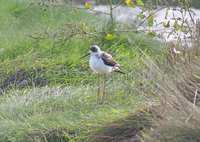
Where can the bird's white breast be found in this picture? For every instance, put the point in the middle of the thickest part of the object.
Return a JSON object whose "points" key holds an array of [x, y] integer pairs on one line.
{"points": [[97, 65]]}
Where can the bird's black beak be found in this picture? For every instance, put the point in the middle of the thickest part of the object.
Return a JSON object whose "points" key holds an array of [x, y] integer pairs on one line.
{"points": [[85, 55]]}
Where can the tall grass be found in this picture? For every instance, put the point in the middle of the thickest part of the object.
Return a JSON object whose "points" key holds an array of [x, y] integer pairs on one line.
{"points": [[30, 39], [71, 112], [176, 85]]}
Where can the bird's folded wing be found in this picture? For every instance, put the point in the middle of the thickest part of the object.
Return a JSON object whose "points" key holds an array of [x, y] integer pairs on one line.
{"points": [[108, 60]]}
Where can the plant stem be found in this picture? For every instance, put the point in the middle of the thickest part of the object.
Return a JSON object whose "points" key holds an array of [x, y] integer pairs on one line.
{"points": [[111, 13]]}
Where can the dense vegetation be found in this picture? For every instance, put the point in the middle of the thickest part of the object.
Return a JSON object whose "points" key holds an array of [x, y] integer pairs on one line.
{"points": [[38, 37], [37, 50], [195, 3], [49, 94]]}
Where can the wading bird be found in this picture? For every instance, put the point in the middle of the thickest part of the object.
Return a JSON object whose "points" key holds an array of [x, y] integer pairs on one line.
{"points": [[102, 63]]}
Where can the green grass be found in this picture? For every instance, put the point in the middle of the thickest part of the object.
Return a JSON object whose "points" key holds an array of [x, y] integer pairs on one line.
{"points": [[71, 111], [59, 59], [22, 20]]}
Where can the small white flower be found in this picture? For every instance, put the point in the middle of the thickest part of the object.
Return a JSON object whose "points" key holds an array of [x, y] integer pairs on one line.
{"points": [[176, 51]]}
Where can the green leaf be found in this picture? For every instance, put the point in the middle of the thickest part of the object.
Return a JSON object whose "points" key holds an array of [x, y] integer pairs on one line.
{"points": [[150, 20], [151, 34], [141, 15], [139, 2], [166, 13], [166, 24], [176, 26], [109, 36]]}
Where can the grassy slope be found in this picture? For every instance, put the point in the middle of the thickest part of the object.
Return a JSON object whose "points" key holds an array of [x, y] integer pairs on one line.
{"points": [[19, 21], [73, 110], [20, 51], [28, 115]]}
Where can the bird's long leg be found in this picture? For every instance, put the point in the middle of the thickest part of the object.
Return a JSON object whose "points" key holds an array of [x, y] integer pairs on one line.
{"points": [[104, 87], [99, 88]]}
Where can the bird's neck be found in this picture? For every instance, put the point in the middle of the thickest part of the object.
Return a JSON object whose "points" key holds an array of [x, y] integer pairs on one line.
{"points": [[98, 54]]}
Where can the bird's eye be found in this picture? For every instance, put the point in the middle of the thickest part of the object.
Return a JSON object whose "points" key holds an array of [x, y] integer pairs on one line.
{"points": [[93, 49]]}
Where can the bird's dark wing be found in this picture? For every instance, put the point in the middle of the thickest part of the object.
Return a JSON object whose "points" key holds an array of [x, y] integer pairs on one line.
{"points": [[108, 60]]}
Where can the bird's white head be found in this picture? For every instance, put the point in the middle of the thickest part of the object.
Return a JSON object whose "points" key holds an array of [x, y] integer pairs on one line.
{"points": [[95, 49]]}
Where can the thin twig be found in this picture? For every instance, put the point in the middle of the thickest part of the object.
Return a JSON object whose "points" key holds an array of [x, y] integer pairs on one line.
{"points": [[195, 98], [150, 14], [119, 4], [194, 104]]}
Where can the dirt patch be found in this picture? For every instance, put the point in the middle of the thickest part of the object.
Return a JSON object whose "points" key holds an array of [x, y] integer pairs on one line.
{"points": [[22, 78], [125, 130]]}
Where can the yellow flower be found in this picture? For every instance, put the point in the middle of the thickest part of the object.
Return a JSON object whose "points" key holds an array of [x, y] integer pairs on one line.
{"points": [[109, 36], [129, 3], [88, 5]]}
